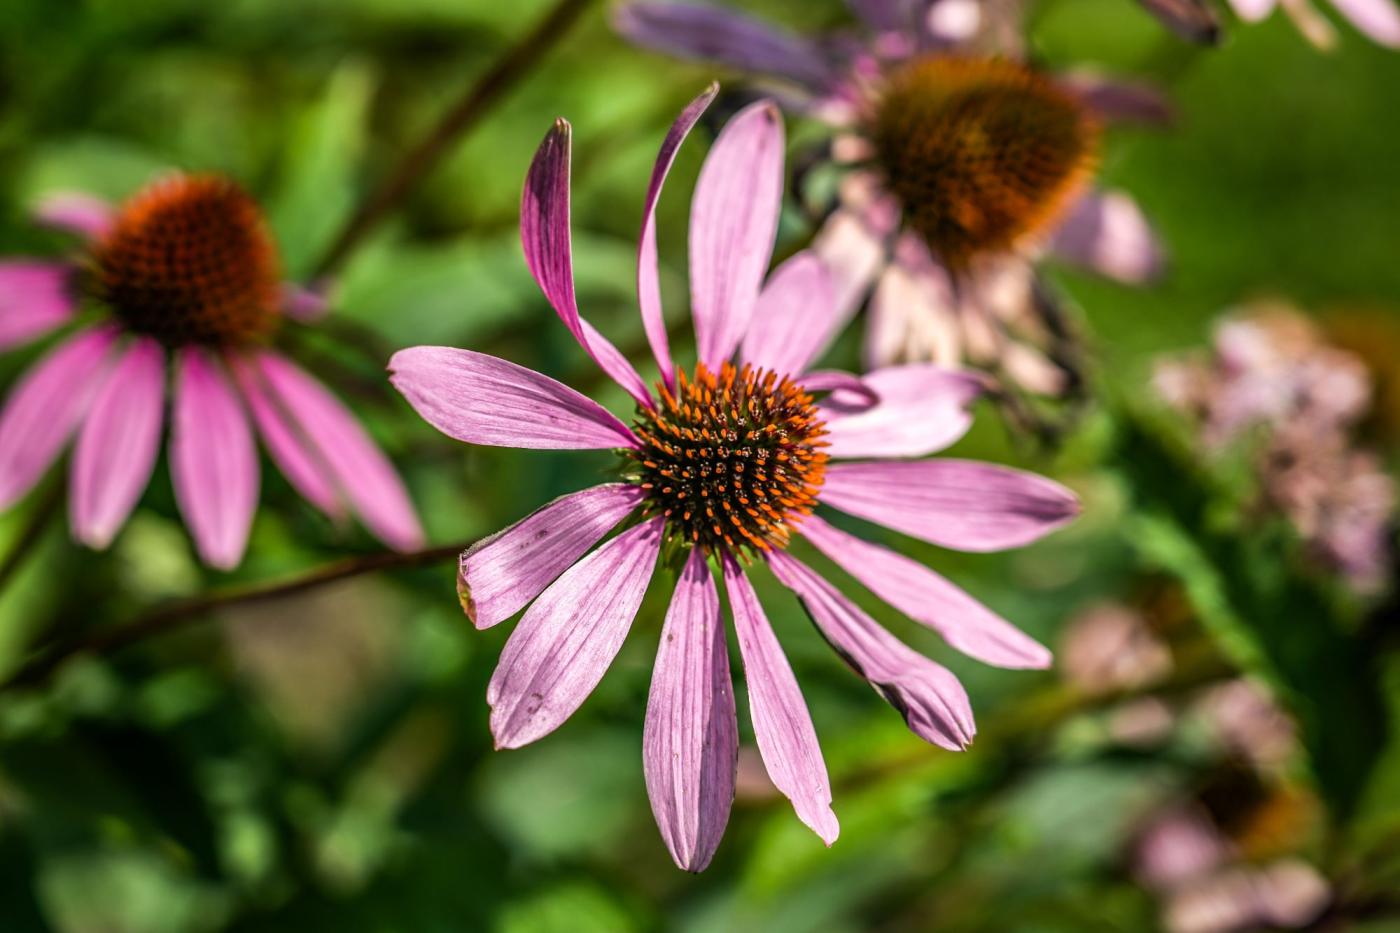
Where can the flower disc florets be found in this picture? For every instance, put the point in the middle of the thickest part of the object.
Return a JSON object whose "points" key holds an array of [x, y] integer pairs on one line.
{"points": [[190, 260], [979, 152], [733, 460]]}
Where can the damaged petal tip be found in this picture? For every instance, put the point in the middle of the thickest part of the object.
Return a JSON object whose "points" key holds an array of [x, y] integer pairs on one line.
{"points": [[464, 595]]}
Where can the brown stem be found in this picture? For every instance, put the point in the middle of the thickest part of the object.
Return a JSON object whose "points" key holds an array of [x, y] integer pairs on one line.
{"points": [[462, 116], [28, 540], [41, 665]]}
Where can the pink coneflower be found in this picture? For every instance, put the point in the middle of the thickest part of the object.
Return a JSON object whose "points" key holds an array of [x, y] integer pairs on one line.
{"points": [[184, 273], [961, 171], [719, 473]]}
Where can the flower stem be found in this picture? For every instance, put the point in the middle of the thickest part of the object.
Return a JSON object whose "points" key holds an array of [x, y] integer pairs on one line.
{"points": [[27, 541], [461, 117], [40, 666]]}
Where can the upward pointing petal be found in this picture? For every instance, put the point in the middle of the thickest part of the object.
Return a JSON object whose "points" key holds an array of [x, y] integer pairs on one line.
{"points": [[795, 317]]}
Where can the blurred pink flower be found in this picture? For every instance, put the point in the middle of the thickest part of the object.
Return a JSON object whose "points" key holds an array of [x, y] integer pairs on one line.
{"points": [[185, 276], [1248, 722], [1110, 647], [717, 473]]}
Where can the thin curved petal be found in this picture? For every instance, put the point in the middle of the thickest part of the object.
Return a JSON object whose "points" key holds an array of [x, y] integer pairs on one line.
{"points": [[486, 400], [213, 461], [795, 318], [782, 726], [499, 575], [1377, 19], [690, 743], [928, 696], [714, 33], [569, 636], [547, 241], [1119, 100], [118, 444], [648, 277], [927, 598], [354, 462], [73, 212], [958, 504], [1108, 233], [921, 410], [861, 397], [733, 225], [35, 298], [45, 407], [1192, 20]]}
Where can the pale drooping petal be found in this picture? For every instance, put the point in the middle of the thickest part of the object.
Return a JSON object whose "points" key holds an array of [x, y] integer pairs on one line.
{"points": [[1108, 233], [795, 318], [853, 240], [926, 597], [568, 637], [213, 461], [648, 276], [715, 33], [1377, 19], [958, 504], [35, 298], [77, 213], [925, 693], [486, 400], [914, 311], [548, 245], [782, 726], [1252, 11], [921, 410], [499, 575], [118, 444], [690, 743], [45, 407], [353, 461], [733, 224]]}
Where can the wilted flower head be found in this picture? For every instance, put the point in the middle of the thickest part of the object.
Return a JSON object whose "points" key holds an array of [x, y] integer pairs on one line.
{"points": [[720, 471], [961, 169], [185, 272]]}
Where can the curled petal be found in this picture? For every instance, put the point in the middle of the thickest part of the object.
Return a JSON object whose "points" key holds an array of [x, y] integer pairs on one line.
{"points": [[690, 743], [569, 636], [486, 400], [80, 214], [35, 298], [1108, 233], [921, 410], [795, 318]]}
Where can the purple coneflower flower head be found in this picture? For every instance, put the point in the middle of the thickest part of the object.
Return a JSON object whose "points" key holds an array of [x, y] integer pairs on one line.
{"points": [[961, 170], [725, 466], [185, 281], [1377, 20]]}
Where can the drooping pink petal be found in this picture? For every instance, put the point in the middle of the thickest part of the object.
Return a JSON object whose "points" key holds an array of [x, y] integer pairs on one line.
{"points": [[925, 693], [568, 637], [35, 297], [926, 597], [914, 311], [714, 33], [690, 743], [853, 240], [1119, 100], [303, 304], [77, 213], [959, 504], [354, 462], [1251, 11], [1108, 233], [118, 444], [795, 318], [782, 726], [921, 410], [486, 400], [45, 407], [213, 461], [733, 225], [1377, 19], [499, 575], [648, 276], [548, 244]]}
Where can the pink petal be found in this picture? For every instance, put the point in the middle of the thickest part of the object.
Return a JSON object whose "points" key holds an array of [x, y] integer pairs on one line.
{"points": [[213, 461], [499, 575], [1251, 11], [1192, 20], [927, 598], [1120, 100], [1108, 233], [914, 311], [118, 444], [545, 236], [795, 318], [352, 459], [690, 743], [73, 212], [1378, 19], [852, 242], [922, 409], [569, 636], [35, 297], [958, 504], [733, 225], [45, 407], [850, 385], [303, 304], [648, 277], [925, 693], [781, 724], [482, 399]]}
